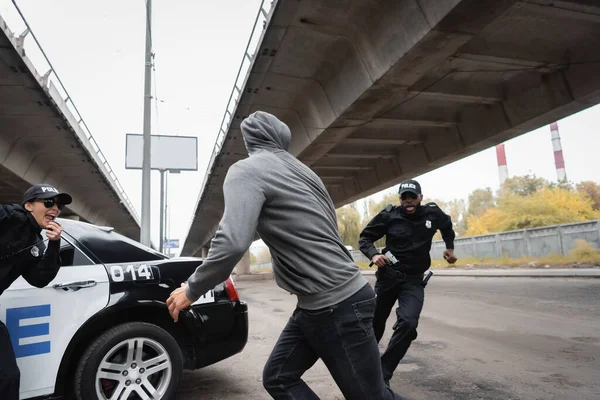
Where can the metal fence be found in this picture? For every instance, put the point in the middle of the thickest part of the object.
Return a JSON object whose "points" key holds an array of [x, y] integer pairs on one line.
{"points": [[536, 242]]}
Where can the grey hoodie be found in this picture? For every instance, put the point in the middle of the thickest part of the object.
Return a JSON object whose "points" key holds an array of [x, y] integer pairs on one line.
{"points": [[274, 194]]}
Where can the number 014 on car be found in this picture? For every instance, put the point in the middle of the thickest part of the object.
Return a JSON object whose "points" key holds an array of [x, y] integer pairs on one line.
{"points": [[132, 272]]}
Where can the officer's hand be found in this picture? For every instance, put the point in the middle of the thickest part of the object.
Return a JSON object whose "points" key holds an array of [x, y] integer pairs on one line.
{"points": [[53, 231], [449, 256], [380, 260]]}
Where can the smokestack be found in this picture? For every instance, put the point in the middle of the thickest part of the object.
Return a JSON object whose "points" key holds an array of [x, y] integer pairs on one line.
{"points": [[502, 168], [559, 161]]}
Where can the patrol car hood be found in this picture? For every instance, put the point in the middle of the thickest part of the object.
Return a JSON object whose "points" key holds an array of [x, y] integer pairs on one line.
{"points": [[263, 131]]}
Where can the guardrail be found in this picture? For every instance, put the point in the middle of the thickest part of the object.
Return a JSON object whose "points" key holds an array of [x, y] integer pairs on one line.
{"points": [[45, 81], [248, 61]]}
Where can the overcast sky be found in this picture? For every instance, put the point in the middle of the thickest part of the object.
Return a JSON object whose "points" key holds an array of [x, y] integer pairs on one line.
{"points": [[97, 48]]}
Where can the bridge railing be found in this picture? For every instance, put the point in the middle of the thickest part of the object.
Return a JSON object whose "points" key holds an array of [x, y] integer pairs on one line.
{"points": [[256, 36], [46, 82]]}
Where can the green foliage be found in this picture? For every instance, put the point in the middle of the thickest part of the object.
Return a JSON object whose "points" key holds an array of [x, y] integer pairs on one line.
{"points": [[523, 185], [591, 190], [547, 206], [260, 256], [376, 207], [349, 224], [480, 200]]}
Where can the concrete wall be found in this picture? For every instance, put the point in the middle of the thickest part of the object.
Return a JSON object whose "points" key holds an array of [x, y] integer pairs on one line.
{"points": [[537, 242]]}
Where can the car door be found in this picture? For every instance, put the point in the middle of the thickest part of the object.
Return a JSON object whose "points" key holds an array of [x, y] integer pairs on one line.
{"points": [[41, 322]]}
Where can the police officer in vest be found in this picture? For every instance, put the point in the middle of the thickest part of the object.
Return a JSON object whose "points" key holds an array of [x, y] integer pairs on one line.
{"points": [[23, 253], [409, 230]]}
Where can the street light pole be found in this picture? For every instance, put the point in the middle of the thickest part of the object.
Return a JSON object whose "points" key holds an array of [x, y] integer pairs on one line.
{"points": [[162, 211], [145, 223]]}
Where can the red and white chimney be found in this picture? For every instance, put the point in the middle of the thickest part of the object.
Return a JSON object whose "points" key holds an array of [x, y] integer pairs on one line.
{"points": [[502, 167], [559, 161]]}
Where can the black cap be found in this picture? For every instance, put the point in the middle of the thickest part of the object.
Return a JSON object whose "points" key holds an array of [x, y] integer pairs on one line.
{"points": [[44, 191], [409, 186]]}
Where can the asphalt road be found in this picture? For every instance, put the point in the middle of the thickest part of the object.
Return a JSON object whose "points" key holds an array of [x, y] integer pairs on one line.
{"points": [[479, 338]]}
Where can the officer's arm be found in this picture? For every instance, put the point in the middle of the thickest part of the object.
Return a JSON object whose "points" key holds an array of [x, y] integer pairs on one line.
{"points": [[40, 274], [374, 231], [446, 229]]}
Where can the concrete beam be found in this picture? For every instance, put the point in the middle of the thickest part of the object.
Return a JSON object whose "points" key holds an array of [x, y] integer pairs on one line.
{"points": [[379, 94], [376, 141]]}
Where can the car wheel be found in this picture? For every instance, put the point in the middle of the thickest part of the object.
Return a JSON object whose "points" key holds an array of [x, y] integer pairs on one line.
{"points": [[135, 360]]}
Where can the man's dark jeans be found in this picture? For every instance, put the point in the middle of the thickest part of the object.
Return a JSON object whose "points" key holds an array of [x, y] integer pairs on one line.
{"points": [[410, 295], [9, 371], [342, 336]]}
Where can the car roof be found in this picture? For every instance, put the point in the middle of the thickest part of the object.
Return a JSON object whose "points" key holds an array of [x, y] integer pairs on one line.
{"points": [[107, 245]]}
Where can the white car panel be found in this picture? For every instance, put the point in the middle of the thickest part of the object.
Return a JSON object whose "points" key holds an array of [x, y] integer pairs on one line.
{"points": [[43, 321]]}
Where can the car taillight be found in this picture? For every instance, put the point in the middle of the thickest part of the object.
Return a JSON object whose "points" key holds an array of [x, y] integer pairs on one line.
{"points": [[231, 290]]}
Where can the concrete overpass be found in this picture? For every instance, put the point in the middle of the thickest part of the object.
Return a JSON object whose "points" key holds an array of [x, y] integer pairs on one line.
{"points": [[43, 138], [378, 91]]}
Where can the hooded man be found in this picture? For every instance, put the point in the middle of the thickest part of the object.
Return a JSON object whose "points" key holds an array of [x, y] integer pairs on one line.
{"points": [[273, 193], [23, 253]]}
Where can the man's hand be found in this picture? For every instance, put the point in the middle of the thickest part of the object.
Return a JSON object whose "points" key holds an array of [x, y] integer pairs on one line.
{"points": [[178, 301], [449, 256], [380, 260], [53, 230]]}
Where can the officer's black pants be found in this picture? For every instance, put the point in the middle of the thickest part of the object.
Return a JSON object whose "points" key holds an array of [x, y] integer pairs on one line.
{"points": [[410, 296], [9, 371]]}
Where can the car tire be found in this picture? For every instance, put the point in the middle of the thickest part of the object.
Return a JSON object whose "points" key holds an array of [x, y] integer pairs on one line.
{"points": [[113, 362]]}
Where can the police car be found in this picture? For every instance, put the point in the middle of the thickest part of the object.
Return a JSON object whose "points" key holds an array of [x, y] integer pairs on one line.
{"points": [[101, 329]]}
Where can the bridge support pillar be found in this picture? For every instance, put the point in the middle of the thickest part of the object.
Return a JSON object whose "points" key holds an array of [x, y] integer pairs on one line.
{"points": [[243, 266], [205, 252]]}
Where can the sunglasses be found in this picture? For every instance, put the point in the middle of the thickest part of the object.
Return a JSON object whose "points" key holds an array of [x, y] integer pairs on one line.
{"points": [[49, 203], [408, 195]]}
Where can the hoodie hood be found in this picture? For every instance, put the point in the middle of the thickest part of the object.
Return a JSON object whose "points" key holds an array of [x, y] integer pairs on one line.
{"points": [[263, 131]]}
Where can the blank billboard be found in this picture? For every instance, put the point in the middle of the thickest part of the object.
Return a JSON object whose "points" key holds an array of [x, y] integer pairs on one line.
{"points": [[167, 152]]}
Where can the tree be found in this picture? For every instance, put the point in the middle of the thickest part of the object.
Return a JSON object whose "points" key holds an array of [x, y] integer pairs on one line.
{"points": [[376, 206], [480, 200], [591, 190], [564, 184], [457, 211], [523, 185], [486, 223], [260, 256], [548, 206], [349, 224]]}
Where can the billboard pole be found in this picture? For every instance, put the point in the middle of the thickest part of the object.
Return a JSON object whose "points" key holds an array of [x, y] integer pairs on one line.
{"points": [[145, 223]]}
